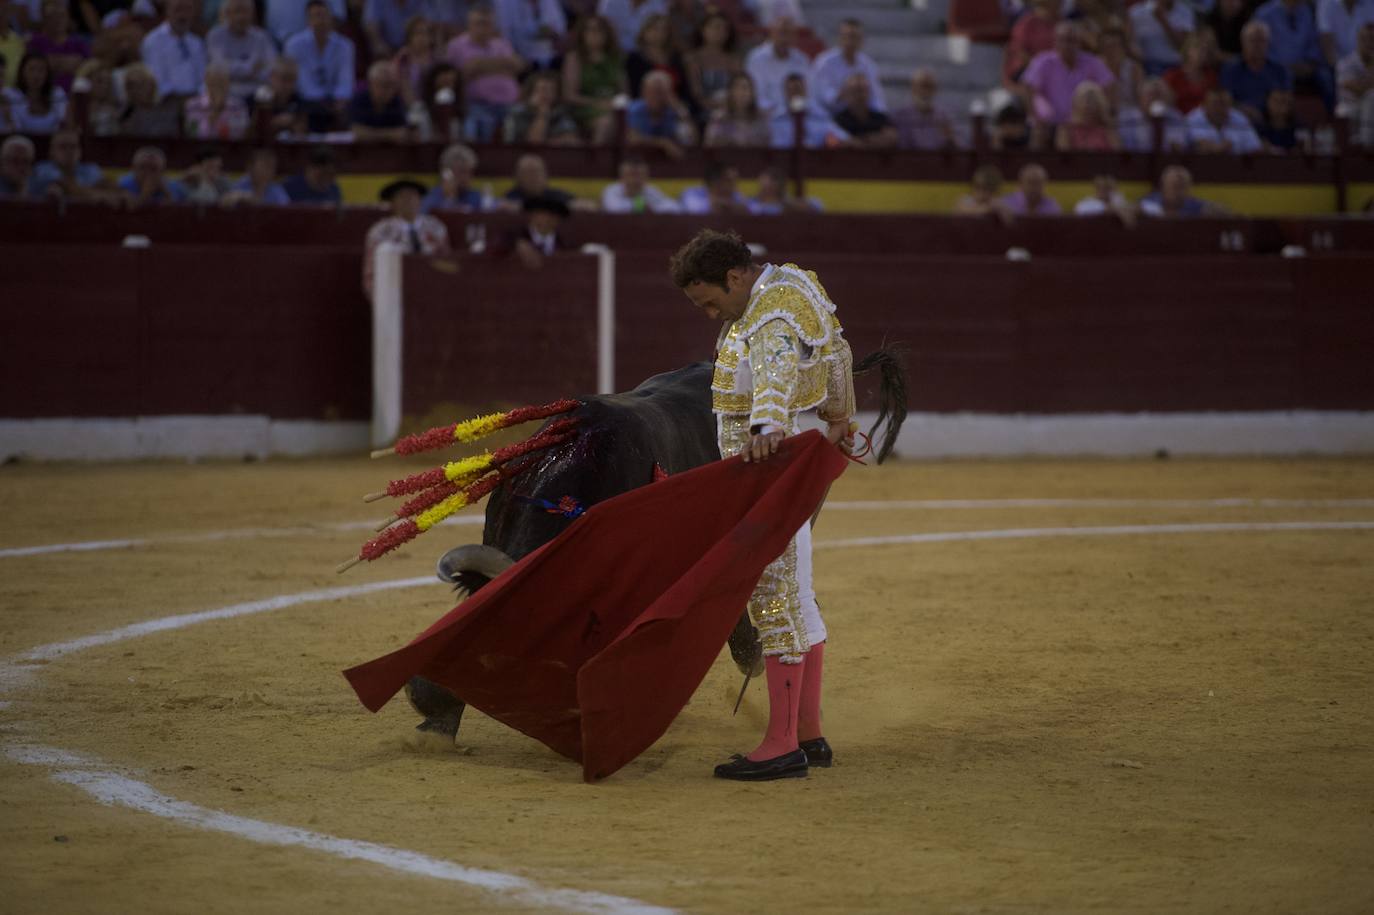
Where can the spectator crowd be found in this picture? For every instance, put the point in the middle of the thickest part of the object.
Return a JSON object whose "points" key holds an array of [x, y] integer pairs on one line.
{"points": [[1220, 76]]}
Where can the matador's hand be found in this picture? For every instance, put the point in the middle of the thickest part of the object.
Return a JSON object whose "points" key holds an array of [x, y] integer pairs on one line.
{"points": [[840, 433], [763, 445]]}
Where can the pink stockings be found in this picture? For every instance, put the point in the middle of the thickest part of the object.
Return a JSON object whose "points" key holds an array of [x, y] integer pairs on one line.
{"points": [[794, 704]]}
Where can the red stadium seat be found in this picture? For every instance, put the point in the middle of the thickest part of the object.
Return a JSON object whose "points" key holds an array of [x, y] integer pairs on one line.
{"points": [[978, 20]]}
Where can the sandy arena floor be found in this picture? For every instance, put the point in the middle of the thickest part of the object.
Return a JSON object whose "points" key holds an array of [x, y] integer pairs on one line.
{"points": [[1165, 720]]}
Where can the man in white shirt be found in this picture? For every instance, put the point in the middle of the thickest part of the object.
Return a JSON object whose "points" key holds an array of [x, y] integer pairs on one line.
{"points": [[634, 194], [1355, 77], [245, 49], [835, 65], [628, 16], [772, 62], [1338, 21], [1215, 126], [1160, 27], [174, 54]]}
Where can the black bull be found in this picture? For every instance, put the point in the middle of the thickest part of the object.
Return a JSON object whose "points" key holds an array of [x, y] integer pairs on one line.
{"points": [[623, 440]]}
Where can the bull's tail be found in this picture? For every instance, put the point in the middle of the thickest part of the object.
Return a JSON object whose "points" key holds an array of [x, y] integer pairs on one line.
{"points": [[890, 363]]}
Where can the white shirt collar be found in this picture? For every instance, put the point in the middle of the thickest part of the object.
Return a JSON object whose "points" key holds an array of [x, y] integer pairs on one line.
{"points": [[763, 278]]}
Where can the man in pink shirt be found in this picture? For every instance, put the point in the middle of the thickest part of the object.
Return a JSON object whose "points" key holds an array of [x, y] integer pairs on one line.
{"points": [[1052, 76], [489, 66]]}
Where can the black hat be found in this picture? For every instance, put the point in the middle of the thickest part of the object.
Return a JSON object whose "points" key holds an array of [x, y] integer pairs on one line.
{"points": [[548, 203], [402, 184]]}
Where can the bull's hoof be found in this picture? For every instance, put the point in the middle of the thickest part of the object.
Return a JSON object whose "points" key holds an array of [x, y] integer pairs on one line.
{"points": [[441, 727], [442, 711]]}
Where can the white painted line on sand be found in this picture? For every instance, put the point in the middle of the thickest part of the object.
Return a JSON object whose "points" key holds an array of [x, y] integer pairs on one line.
{"points": [[1117, 531], [114, 789], [247, 533]]}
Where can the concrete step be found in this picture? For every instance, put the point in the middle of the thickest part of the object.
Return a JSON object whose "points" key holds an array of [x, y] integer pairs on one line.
{"points": [[895, 73], [912, 50]]}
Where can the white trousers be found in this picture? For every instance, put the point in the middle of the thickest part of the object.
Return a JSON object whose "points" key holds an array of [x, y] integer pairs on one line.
{"points": [[806, 590]]}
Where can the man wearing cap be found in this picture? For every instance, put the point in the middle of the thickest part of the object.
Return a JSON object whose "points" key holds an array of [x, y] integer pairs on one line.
{"points": [[540, 237], [413, 231]]}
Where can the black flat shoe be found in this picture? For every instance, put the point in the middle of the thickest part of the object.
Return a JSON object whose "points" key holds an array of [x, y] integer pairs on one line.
{"points": [[818, 752], [788, 765]]}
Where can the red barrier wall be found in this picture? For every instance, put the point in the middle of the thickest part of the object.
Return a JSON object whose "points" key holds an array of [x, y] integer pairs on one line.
{"points": [[184, 330]]}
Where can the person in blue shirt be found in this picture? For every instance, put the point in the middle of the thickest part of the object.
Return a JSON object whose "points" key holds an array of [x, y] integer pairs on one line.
{"points": [[1175, 196], [148, 182], [315, 183], [17, 180], [259, 183], [284, 18], [377, 113], [1252, 76], [817, 128], [457, 164], [324, 61], [66, 175], [1293, 44], [384, 21], [657, 118]]}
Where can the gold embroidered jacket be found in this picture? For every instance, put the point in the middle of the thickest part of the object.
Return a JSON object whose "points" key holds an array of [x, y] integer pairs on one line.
{"points": [[786, 354]]}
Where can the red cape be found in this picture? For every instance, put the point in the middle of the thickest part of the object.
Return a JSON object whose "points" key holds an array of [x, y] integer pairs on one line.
{"points": [[593, 643]]}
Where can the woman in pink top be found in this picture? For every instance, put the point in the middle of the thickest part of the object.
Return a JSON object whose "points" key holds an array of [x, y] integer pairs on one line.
{"points": [[1089, 128]]}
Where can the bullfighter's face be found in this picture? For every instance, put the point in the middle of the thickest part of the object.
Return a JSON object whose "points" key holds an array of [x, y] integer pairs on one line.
{"points": [[725, 303]]}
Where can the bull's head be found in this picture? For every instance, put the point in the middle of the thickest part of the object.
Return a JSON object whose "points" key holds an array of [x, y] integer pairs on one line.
{"points": [[472, 565]]}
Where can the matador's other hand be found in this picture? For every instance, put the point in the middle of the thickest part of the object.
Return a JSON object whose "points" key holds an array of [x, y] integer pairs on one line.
{"points": [[840, 433], [763, 446]]}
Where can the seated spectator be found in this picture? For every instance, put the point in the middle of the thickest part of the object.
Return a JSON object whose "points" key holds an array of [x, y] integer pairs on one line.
{"points": [[37, 105], [1279, 132], [658, 119], [541, 235], [1175, 196], [1105, 199], [739, 121], [17, 180], [1338, 24], [145, 116], [414, 231], [315, 183], [148, 182], [386, 24], [634, 194], [1051, 77], [286, 18], [1033, 34], [288, 113], [442, 96], [120, 41], [1216, 127], [54, 40], [216, 112], [685, 19], [416, 58], [1011, 128], [205, 181], [1293, 44], [713, 63], [1127, 75], [1252, 76], [772, 63], [1194, 76], [627, 17], [1135, 125], [457, 166], [1160, 27], [923, 124], [1089, 128], [1226, 20], [102, 108], [540, 119], [535, 28], [984, 197], [65, 175], [773, 199], [175, 54], [324, 68], [377, 113], [817, 129], [488, 65], [593, 75], [719, 193], [532, 180], [1356, 78], [259, 183], [11, 50], [834, 67], [654, 51], [248, 51], [1030, 199], [867, 127]]}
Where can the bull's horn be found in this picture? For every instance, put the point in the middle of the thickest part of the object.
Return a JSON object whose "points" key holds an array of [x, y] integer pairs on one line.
{"points": [[472, 557]]}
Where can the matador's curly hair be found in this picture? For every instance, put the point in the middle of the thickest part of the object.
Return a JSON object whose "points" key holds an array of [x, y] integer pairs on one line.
{"points": [[708, 257]]}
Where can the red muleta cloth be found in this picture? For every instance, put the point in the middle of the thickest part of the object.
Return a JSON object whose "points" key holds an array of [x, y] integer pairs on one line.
{"points": [[593, 643]]}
